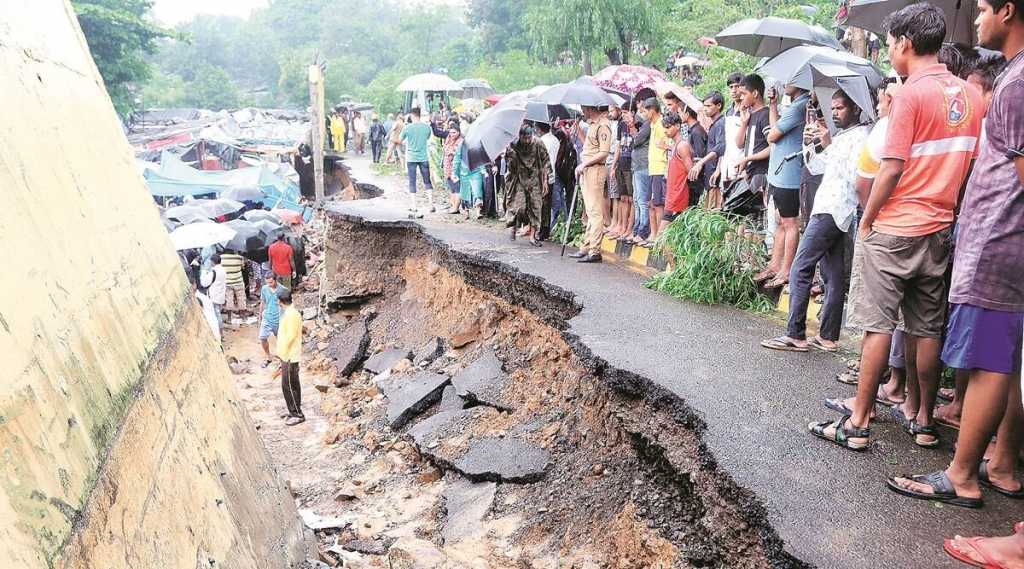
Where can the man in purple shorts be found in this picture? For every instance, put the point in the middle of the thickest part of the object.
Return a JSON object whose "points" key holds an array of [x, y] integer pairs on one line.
{"points": [[986, 322]]}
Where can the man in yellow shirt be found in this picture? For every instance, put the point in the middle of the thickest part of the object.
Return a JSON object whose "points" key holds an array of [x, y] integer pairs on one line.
{"points": [[657, 165], [289, 350], [592, 169], [338, 131]]}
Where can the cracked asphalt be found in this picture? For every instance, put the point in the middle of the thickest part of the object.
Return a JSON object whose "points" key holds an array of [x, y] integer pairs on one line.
{"points": [[829, 505]]}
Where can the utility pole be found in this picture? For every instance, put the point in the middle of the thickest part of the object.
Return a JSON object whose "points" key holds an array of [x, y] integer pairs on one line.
{"points": [[316, 113]]}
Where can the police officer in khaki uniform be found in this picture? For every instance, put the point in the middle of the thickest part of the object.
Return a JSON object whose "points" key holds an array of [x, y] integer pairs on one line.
{"points": [[596, 149]]}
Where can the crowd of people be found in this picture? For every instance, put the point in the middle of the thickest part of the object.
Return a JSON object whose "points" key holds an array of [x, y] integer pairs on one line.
{"points": [[912, 225]]}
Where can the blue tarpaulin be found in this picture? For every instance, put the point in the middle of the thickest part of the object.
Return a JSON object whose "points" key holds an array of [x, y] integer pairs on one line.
{"points": [[175, 178]]}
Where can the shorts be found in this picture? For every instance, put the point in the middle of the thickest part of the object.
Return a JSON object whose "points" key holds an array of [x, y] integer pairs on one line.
{"points": [[235, 298], [892, 272], [669, 215], [611, 187], [267, 328], [979, 338], [286, 280], [624, 182], [657, 191], [787, 201], [453, 186]]}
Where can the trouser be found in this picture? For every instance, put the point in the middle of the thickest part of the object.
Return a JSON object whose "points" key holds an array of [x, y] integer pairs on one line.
{"points": [[217, 308], [235, 298], [424, 170], [823, 245], [545, 215], [291, 389], [375, 147], [594, 179], [557, 201], [641, 198], [696, 188], [360, 142]]}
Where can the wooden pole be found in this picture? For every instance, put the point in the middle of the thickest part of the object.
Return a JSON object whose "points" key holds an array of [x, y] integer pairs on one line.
{"points": [[316, 104]]}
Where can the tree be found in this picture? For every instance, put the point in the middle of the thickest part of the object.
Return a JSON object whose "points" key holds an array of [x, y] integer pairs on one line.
{"points": [[212, 88], [499, 24], [120, 37]]}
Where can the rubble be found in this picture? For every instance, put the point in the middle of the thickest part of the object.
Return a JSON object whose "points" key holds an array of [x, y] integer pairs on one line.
{"points": [[466, 504], [483, 381], [413, 553], [409, 396], [348, 348], [507, 459], [386, 360], [316, 522], [450, 400], [429, 352]]}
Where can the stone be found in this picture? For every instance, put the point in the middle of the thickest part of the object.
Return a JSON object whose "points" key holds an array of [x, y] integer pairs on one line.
{"points": [[348, 348], [483, 381], [414, 553], [340, 432], [384, 361], [468, 332], [433, 268], [401, 366], [310, 313], [507, 460], [368, 547], [429, 476], [239, 368], [466, 505], [427, 353], [317, 522], [409, 396], [450, 400]]}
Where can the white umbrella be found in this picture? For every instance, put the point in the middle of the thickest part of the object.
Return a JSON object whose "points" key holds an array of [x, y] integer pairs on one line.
{"points": [[429, 82], [187, 213], [788, 64], [772, 36], [219, 206], [198, 235]]}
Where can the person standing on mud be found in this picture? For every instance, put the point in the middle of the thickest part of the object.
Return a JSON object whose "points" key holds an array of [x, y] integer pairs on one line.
{"points": [[527, 180], [270, 313], [289, 350]]}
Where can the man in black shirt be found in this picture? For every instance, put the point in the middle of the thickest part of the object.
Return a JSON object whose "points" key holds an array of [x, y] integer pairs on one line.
{"points": [[753, 134], [698, 138], [704, 169]]}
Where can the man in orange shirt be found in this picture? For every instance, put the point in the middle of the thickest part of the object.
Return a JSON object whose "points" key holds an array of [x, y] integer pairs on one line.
{"points": [[280, 254], [677, 195], [903, 245]]}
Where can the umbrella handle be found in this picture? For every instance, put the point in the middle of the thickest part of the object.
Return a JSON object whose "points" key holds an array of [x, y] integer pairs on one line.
{"points": [[568, 220]]}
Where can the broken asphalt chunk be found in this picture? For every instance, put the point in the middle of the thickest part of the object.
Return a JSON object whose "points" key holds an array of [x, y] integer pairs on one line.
{"points": [[317, 522], [450, 400], [348, 348], [507, 460], [384, 361], [483, 381], [409, 396], [466, 504], [368, 547], [428, 352]]}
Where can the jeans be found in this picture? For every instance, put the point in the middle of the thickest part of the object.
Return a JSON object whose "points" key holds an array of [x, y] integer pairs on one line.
{"points": [[641, 197], [410, 168], [557, 201], [822, 243], [376, 146]]}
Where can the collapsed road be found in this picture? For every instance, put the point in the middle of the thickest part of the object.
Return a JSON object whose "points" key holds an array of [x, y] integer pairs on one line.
{"points": [[697, 369]]}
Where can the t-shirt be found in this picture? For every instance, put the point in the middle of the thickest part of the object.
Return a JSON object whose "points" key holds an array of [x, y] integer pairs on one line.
{"points": [[784, 173], [233, 265], [551, 144], [599, 139], [934, 125], [416, 136], [733, 152], [289, 335], [281, 258], [990, 231], [657, 158], [617, 127], [641, 147], [757, 140], [870, 160], [625, 148], [271, 308]]}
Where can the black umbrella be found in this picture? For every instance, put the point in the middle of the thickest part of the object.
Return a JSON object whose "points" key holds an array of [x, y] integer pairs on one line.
{"points": [[960, 16], [582, 91], [771, 36], [545, 113], [494, 130], [248, 236]]}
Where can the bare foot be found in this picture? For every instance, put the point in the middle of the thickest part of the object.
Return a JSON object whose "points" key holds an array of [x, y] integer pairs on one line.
{"points": [[948, 415], [990, 551]]}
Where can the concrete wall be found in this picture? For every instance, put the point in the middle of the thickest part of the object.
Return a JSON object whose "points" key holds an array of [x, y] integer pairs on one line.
{"points": [[121, 440]]}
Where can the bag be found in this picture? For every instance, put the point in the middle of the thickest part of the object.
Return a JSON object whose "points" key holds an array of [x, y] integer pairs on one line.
{"points": [[743, 197]]}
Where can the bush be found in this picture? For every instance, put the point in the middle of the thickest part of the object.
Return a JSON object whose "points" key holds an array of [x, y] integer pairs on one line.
{"points": [[576, 229], [714, 263]]}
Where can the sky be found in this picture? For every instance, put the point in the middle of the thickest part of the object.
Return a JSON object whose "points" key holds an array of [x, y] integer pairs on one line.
{"points": [[171, 12]]}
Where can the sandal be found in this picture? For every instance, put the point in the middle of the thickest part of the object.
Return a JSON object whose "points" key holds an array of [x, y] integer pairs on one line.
{"points": [[838, 432], [763, 276], [946, 393], [816, 343], [293, 420], [985, 481], [776, 283], [848, 378], [974, 542], [896, 412], [885, 400], [840, 406], [919, 432], [783, 344], [944, 421], [942, 490]]}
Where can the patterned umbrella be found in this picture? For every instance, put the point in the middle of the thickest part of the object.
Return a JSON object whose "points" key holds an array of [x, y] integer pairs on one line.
{"points": [[628, 78]]}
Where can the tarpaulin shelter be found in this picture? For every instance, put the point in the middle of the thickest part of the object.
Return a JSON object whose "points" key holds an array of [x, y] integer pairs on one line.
{"points": [[174, 178]]}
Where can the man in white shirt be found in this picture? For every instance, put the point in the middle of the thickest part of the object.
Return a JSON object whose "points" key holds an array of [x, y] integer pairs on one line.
{"points": [[556, 192], [215, 281], [728, 165], [824, 240]]}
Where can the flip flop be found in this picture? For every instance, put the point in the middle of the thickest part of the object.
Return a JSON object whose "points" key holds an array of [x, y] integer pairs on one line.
{"points": [[885, 400], [946, 422], [815, 343], [986, 482], [763, 276], [896, 412], [955, 553], [942, 490], [848, 378], [783, 344], [776, 283], [839, 405], [946, 393]]}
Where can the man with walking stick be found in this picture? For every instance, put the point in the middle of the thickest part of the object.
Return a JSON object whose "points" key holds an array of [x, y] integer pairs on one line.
{"points": [[594, 175]]}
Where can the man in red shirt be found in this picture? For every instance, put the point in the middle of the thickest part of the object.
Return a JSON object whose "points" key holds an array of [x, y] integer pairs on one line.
{"points": [[903, 242], [677, 195], [280, 254]]}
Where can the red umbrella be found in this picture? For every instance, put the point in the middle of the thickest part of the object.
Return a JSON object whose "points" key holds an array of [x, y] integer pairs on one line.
{"points": [[628, 78], [288, 216], [493, 99]]}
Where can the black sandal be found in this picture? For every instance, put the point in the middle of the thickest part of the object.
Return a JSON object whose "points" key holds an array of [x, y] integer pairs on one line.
{"points": [[917, 431], [851, 437], [987, 482], [942, 490]]}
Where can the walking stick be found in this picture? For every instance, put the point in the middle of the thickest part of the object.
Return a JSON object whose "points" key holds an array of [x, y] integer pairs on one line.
{"points": [[568, 221]]}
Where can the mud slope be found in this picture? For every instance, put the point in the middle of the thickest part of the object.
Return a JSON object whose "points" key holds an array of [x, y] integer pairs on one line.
{"points": [[617, 473]]}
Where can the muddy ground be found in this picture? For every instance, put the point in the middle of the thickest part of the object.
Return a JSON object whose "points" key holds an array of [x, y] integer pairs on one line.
{"points": [[536, 456]]}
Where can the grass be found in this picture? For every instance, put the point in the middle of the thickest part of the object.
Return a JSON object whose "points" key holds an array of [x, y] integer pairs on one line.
{"points": [[576, 230], [713, 262], [382, 169]]}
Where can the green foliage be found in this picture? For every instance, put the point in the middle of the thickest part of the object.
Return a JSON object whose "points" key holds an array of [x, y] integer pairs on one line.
{"points": [[164, 90], [516, 70], [119, 37], [723, 62], [211, 88], [576, 229], [714, 262]]}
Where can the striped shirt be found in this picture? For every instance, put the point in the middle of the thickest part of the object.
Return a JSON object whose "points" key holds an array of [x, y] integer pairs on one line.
{"points": [[934, 126], [233, 264]]}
